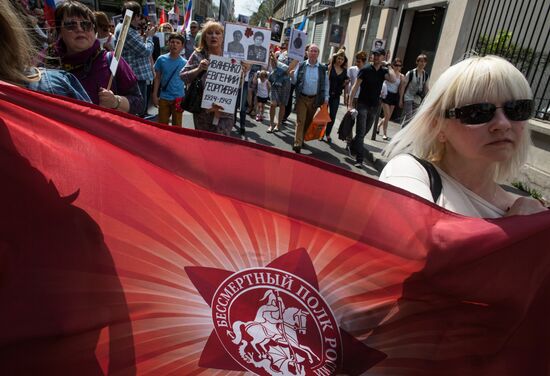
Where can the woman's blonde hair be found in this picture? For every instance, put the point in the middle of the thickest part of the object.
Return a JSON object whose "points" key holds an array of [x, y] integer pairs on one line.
{"points": [[475, 80], [207, 27], [166, 25], [16, 45]]}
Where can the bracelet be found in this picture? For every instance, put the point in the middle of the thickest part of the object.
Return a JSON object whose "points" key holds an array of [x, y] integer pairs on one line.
{"points": [[118, 100]]}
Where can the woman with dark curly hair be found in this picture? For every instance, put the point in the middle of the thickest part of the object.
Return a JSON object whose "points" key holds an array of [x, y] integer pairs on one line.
{"points": [[81, 54]]}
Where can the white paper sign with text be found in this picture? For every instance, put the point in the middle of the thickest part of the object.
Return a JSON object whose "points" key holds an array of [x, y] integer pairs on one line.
{"points": [[222, 83]]}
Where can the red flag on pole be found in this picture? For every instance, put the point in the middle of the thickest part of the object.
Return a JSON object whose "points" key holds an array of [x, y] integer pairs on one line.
{"points": [[163, 17], [132, 248]]}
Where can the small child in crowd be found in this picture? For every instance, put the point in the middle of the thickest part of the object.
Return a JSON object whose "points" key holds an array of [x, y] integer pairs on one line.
{"points": [[262, 94]]}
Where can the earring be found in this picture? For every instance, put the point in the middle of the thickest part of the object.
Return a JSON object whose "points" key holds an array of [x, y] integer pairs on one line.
{"points": [[441, 137]]}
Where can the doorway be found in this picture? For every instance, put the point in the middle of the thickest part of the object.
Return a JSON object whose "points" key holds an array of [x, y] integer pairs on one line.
{"points": [[423, 37]]}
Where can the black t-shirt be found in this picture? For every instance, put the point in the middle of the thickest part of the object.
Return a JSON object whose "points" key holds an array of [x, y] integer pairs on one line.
{"points": [[371, 84]]}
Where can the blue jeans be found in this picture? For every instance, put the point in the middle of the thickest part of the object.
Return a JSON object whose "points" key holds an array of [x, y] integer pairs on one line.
{"points": [[365, 119], [333, 104]]}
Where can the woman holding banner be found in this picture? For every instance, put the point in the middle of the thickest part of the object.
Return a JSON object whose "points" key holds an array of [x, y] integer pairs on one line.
{"points": [[469, 134], [211, 43], [81, 54]]}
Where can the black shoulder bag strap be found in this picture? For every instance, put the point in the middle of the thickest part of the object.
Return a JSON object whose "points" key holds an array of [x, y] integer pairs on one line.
{"points": [[435, 180], [168, 82]]}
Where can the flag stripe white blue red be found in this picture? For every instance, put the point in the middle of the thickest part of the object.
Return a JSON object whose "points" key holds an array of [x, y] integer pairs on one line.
{"points": [[135, 248], [187, 15], [49, 12]]}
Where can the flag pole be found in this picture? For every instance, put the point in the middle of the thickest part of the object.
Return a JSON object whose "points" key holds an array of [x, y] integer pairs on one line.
{"points": [[119, 46]]}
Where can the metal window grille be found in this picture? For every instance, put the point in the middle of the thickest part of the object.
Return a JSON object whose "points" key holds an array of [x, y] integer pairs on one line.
{"points": [[519, 31]]}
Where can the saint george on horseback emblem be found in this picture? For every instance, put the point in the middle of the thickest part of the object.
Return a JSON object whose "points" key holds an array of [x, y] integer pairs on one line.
{"points": [[274, 323]]}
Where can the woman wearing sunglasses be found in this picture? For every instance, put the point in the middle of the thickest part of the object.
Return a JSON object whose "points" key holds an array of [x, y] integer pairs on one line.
{"points": [[472, 126], [80, 53], [16, 65]]}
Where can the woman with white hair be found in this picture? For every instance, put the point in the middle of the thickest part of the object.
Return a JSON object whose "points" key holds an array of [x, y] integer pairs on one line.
{"points": [[472, 126]]}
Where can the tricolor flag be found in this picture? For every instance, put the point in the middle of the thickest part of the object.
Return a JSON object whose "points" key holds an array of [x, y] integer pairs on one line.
{"points": [[187, 18], [127, 247], [49, 12]]}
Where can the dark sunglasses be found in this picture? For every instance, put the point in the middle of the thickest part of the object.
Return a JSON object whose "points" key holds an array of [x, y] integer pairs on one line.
{"points": [[84, 25], [479, 113], [397, 65]]}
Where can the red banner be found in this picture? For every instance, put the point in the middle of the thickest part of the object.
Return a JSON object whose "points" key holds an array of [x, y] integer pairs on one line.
{"points": [[128, 248]]}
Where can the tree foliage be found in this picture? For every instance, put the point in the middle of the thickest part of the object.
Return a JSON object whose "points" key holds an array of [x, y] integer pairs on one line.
{"points": [[264, 13]]}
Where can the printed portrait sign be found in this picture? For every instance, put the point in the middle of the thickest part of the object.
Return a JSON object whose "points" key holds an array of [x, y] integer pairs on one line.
{"points": [[174, 20], [117, 19], [336, 35], [378, 43], [297, 45], [222, 84], [250, 44], [151, 9], [243, 19], [277, 28]]}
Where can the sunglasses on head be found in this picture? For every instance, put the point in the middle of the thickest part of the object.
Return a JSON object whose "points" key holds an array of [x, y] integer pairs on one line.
{"points": [[479, 113], [84, 25]]}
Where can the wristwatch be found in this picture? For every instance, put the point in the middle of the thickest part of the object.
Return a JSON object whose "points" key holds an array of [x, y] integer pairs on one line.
{"points": [[117, 97]]}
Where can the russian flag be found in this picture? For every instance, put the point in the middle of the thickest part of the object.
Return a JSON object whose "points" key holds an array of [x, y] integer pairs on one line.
{"points": [[187, 18], [49, 12]]}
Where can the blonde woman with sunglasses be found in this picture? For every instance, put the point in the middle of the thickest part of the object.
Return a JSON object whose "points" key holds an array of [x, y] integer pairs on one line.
{"points": [[472, 128]]}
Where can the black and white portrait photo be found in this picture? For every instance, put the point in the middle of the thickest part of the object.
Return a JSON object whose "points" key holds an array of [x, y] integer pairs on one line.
{"points": [[235, 48], [297, 45], [276, 31], [378, 43], [257, 52], [336, 35], [247, 43]]}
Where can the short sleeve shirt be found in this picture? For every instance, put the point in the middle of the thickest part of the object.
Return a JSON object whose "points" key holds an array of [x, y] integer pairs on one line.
{"points": [[170, 69], [372, 81]]}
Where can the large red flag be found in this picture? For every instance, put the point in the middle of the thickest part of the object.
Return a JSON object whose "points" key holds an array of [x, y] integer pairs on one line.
{"points": [[128, 248]]}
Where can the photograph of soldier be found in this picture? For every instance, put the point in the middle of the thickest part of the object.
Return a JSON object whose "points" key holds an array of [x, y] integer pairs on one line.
{"points": [[235, 48], [378, 43], [276, 31], [336, 33], [257, 52]]}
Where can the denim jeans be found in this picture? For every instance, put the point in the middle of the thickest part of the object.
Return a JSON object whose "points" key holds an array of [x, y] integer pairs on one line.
{"points": [[409, 108], [365, 119], [333, 104]]}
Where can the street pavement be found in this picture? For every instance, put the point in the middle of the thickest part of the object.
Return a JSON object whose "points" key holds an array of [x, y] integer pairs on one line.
{"points": [[333, 153]]}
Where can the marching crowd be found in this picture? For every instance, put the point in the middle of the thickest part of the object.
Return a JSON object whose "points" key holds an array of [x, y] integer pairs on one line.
{"points": [[468, 132], [171, 77]]}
